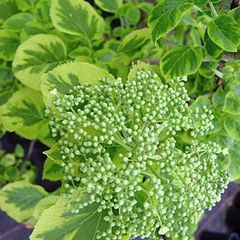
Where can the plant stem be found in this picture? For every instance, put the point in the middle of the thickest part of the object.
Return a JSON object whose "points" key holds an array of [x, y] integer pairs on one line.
{"points": [[214, 12], [29, 153]]}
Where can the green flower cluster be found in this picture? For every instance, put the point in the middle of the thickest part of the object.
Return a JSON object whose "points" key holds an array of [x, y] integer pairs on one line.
{"points": [[120, 149]]}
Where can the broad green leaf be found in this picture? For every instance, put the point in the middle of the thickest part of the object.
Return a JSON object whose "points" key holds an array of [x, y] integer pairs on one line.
{"points": [[54, 154], [235, 13], [181, 61], [166, 15], [9, 41], [146, 7], [105, 55], [231, 75], [37, 55], [8, 84], [64, 77], [219, 98], [69, 226], [12, 174], [211, 48], [52, 171], [234, 169], [42, 10], [109, 5], [18, 200], [232, 103], [132, 15], [26, 4], [24, 114], [19, 151], [43, 204], [232, 126], [18, 21], [31, 29], [225, 32], [207, 69], [8, 160], [134, 41], [200, 2], [7, 9], [76, 17]]}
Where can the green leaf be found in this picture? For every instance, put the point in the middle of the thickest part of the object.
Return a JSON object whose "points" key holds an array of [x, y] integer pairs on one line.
{"points": [[109, 5], [12, 174], [69, 226], [181, 61], [200, 2], [18, 200], [232, 126], [166, 15], [25, 5], [207, 69], [54, 154], [7, 9], [132, 15], [219, 98], [235, 13], [105, 55], [234, 169], [19, 151], [24, 113], [225, 32], [63, 77], [7, 84], [52, 171], [76, 17], [232, 103], [211, 48], [37, 55], [18, 21], [134, 41], [8, 160], [9, 41], [43, 204]]}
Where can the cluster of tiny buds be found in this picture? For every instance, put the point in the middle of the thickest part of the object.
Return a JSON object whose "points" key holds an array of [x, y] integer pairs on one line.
{"points": [[120, 149]]}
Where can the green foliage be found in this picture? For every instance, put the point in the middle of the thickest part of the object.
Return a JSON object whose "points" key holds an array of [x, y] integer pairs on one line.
{"points": [[18, 200], [76, 17], [158, 155], [66, 225], [109, 5], [25, 115], [112, 132], [14, 168], [39, 54], [181, 61], [166, 15], [225, 32]]}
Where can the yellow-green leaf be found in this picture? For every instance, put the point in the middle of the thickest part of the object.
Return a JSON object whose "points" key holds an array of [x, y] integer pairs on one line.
{"points": [[64, 77], [225, 32], [181, 61], [18, 199], [39, 54], [166, 15], [69, 226], [109, 5], [76, 17]]}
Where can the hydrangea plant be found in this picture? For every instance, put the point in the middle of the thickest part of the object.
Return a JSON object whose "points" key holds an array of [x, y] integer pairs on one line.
{"points": [[138, 154], [126, 165]]}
